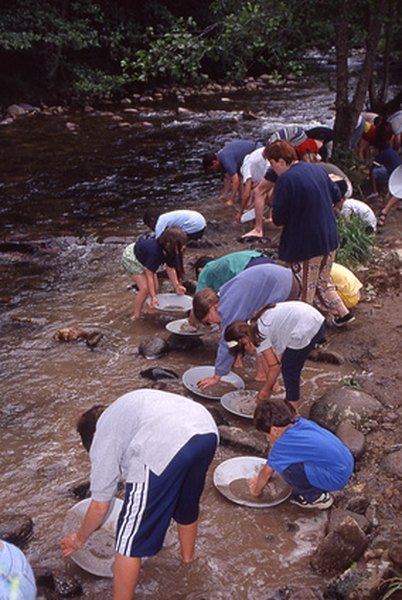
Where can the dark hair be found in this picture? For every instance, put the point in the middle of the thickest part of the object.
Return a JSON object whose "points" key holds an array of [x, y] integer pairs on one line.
{"points": [[151, 216], [173, 241], [342, 185], [280, 149], [208, 159], [200, 263], [234, 332], [203, 301], [86, 424], [273, 413]]}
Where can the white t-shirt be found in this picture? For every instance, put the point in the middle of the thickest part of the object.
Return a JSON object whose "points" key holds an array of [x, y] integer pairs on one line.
{"points": [[395, 121], [361, 209], [291, 324], [254, 166]]}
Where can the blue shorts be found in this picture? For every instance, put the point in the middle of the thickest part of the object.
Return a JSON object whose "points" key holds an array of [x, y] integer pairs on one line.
{"points": [[149, 506]]}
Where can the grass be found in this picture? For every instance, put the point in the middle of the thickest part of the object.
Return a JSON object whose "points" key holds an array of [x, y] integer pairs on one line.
{"points": [[356, 244]]}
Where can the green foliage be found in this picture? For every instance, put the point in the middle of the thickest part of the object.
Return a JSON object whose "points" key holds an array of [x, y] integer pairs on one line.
{"points": [[95, 83], [356, 244], [394, 584], [175, 55]]}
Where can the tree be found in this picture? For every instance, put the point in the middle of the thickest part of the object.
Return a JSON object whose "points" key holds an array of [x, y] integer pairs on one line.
{"points": [[348, 109]]}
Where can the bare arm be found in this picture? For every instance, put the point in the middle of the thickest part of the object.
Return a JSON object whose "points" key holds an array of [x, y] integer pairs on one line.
{"points": [[172, 274], [235, 180], [93, 519], [257, 484], [149, 275], [226, 187]]}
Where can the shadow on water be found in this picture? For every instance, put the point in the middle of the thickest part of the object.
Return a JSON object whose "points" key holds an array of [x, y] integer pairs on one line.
{"points": [[75, 198]]}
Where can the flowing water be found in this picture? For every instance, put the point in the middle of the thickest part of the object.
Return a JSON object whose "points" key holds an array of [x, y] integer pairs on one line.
{"points": [[71, 198]]}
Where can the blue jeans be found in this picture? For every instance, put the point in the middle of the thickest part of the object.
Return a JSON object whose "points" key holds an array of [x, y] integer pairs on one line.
{"points": [[296, 477]]}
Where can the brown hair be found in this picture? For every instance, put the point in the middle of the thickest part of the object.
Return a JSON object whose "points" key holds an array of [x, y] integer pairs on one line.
{"points": [[86, 424], [280, 149], [173, 241], [203, 301], [238, 329], [273, 413]]}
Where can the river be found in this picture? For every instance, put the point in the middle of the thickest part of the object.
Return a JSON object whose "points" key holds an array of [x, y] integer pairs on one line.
{"points": [[74, 187]]}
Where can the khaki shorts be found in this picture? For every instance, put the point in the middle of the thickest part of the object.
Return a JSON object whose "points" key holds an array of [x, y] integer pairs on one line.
{"points": [[130, 263]]}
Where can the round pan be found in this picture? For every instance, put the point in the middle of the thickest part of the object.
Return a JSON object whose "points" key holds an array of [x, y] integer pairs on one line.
{"points": [[193, 375]]}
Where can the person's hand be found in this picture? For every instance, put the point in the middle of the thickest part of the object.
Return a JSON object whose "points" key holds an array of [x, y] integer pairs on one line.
{"points": [[70, 544], [154, 302], [222, 197], [180, 290], [252, 486], [208, 381], [239, 215]]}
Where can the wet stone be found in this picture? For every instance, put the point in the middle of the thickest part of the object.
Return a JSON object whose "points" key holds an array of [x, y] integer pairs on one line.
{"points": [[153, 347], [395, 553], [252, 442], [337, 515], [340, 548], [352, 438], [392, 464], [344, 404], [358, 504], [67, 586], [359, 584], [80, 491], [16, 529], [326, 356]]}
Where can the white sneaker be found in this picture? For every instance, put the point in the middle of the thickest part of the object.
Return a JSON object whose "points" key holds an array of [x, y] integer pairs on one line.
{"points": [[322, 502]]}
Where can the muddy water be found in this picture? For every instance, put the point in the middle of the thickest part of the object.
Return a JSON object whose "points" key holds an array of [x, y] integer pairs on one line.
{"points": [[83, 194]]}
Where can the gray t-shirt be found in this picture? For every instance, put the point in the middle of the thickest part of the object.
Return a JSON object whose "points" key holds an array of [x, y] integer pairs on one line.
{"points": [[144, 428]]}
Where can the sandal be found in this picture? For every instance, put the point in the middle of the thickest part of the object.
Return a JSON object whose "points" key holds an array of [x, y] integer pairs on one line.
{"points": [[382, 217]]}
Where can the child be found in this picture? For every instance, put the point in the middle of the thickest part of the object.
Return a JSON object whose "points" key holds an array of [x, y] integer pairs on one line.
{"points": [[143, 258], [311, 459], [284, 335], [347, 285], [190, 221]]}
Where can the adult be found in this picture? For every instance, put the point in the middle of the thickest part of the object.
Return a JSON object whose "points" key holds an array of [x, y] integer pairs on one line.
{"points": [[311, 459], [239, 298], [351, 206], [326, 136], [303, 205], [394, 195], [215, 273], [293, 134], [143, 258], [387, 162], [283, 335], [17, 581], [228, 161], [252, 171], [190, 221], [161, 444]]}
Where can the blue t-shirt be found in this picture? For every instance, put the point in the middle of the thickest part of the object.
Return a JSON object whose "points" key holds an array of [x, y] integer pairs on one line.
{"points": [[328, 463], [232, 155], [303, 203], [150, 255], [390, 159]]}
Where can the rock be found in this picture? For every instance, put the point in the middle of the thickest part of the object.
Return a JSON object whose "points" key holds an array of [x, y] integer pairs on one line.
{"points": [[337, 515], [183, 343], [236, 437], [340, 548], [7, 121], [392, 464], [352, 438], [15, 110], [16, 529], [327, 356], [159, 374], [358, 504], [344, 404], [81, 490], [153, 347], [362, 583], [183, 111], [67, 586], [395, 553], [126, 101], [218, 416], [70, 334]]}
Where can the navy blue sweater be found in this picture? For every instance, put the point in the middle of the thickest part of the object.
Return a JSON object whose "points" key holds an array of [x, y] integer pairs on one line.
{"points": [[303, 203]]}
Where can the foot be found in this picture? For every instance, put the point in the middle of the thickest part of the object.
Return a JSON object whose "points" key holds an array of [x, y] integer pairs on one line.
{"points": [[382, 217], [322, 502], [341, 321], [253, 233]]}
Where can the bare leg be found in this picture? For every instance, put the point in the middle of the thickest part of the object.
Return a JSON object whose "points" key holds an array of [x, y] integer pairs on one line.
{"points": [[187, 537], [261, 196], [141, 295], [262, 375], [125, 576], [391, 202]]}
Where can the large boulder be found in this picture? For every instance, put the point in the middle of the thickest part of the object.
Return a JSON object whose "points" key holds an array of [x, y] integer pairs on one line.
{"points": [[16, 529], [352, 438], [344, 404], [392, 464], [342, 546], [153, 347], [253, 442]]}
